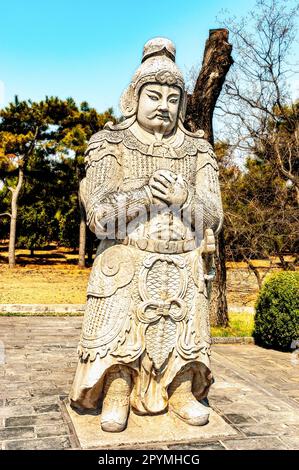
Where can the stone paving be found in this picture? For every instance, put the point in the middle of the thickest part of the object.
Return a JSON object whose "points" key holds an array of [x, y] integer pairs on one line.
{"points": [[256, 390]]}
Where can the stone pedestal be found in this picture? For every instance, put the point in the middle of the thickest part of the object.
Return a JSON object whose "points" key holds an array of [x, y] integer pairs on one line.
{"points": [[146, 431]]}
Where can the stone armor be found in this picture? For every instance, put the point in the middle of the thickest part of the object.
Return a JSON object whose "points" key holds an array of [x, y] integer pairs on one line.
{"points": [[148, 294]]}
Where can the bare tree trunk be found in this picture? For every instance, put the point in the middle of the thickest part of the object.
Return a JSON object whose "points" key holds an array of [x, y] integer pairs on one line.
{"points": [[218, 305], [256, 272], [216, 63], [259, 277], [13, 219]]}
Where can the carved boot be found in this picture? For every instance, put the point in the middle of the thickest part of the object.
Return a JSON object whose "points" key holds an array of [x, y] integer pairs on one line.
{"points": [[183, 403], [116, 401]]}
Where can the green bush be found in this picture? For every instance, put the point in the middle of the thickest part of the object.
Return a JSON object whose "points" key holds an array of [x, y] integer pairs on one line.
{"points": [[277, 312]]}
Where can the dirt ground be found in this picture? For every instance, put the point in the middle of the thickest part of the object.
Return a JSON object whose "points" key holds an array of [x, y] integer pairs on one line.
{"points": [[52, 276], [57, 284], [42, 285]]}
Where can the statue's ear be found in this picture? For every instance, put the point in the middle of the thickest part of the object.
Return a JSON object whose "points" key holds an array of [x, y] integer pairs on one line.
{"points": [[128, 102], [183, 106]]}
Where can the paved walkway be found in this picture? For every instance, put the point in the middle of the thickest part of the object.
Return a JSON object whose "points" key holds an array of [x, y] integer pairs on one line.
{"points": [[256, 390]]}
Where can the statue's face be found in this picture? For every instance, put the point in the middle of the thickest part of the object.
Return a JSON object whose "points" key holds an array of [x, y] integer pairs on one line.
{"points": [[158, 107]]}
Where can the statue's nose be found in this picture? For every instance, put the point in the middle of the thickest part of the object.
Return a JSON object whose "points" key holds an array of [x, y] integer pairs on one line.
{"points": [[163, 106]]}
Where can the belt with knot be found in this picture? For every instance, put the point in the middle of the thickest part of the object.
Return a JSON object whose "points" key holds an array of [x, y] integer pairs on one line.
{"points": [[162, 246]]}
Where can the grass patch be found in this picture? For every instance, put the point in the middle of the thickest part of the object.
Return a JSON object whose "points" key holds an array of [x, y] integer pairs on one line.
{"points": [[43, 285], [41, 314], [240, 324]]}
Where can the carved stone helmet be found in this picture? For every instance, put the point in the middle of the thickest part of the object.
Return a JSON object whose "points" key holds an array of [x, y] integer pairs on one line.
{"points": [[157, 66]]}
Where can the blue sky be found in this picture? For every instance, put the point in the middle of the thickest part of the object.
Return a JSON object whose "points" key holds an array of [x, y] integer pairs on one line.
{"points": [[90, 49]]}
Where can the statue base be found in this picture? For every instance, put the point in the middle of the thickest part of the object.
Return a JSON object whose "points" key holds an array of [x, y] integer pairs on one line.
{"points": [[145, 431]]}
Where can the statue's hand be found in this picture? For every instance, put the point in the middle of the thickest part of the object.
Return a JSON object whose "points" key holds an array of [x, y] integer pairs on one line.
{"points": [[168, 187]]}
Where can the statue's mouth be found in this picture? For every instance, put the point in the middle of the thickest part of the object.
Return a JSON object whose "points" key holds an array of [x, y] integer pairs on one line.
{"points": [[162, 117]]}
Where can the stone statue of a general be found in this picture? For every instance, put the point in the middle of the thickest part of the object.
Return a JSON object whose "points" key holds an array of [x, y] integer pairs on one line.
{"points": [[152, 196]]}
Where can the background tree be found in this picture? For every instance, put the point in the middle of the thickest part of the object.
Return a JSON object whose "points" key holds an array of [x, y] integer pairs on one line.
{"points": [[260, 122], [28, 138], [6, 167], [42, 170], [216, 63], [256, 108], [261, 216], [257, 124], [73, 134], [37, 224], [22, 125]]}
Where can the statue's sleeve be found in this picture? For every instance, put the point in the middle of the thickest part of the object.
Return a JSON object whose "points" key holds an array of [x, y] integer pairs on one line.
{"points": [[106, 204], [204, 199]]}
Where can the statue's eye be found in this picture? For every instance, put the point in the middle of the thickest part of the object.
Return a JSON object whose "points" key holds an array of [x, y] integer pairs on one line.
{"points": [[153, 97], [173, 100]]}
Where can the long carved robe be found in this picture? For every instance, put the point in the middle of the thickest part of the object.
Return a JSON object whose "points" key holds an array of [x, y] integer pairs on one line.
{"points": [[148, 303]]}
